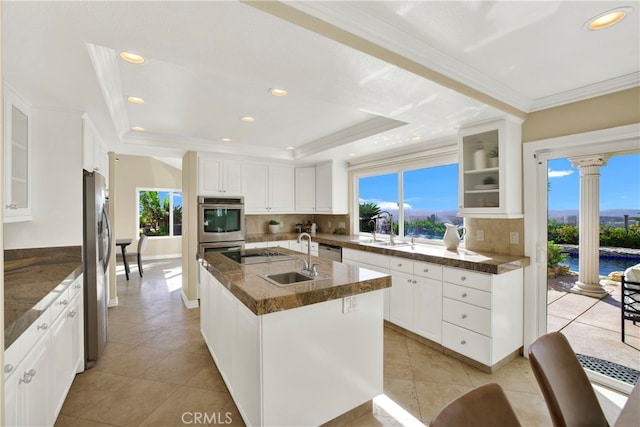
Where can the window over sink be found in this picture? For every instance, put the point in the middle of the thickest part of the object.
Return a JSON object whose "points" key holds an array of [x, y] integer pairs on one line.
{"points": [[420, 198]]}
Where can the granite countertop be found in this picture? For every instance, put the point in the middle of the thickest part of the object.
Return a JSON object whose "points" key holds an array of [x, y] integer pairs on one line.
{"points": [[336, 280], [31, 279], [478, 261]]}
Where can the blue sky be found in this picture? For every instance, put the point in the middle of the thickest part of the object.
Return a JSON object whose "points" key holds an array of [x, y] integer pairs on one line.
{"points": [[436, 188], [619, 184]]}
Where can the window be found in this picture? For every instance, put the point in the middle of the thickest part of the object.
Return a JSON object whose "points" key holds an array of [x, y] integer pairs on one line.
{"points": [[160, 212], [419, 201]]}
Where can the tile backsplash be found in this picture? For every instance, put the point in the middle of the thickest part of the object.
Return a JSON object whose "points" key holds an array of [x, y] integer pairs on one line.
{"points": [[257, 224], [497, 234]]}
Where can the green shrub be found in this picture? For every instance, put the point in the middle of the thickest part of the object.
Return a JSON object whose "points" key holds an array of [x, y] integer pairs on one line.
{"points": [[554, 255]]}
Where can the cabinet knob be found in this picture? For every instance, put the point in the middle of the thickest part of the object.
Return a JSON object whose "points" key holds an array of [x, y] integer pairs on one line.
{"points": [[463, 278], [414, 281], [43, 326], [400, 264], [27, 377], [78, 286], [463, 342], [11, 206], [464, 295], [63, 302], [408, 280], [72, 313], [426, 270], [464, 316], [8, 368]]}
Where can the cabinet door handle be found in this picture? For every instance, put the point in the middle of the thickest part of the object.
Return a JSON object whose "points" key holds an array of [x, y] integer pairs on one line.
{"points": [[464, 316], [426, 270], [44, 326], [414, 282], [63, 302], [463, 278], [464, 295], [408, 280], [27, 377], [78, 286], [8, 368], [463, 342], [72, 313], [399, 264], [11, 206]]}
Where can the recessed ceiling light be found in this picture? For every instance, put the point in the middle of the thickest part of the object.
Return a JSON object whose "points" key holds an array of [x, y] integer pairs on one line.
{"points": [[131, 57], [290, 148], [226, 140], [137, 129], [608, 18], [247, 119], [135, 100], [278, 92], [416, 138]]}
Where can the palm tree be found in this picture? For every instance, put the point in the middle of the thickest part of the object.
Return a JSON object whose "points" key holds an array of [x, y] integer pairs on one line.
{"points": [[367, 211]]}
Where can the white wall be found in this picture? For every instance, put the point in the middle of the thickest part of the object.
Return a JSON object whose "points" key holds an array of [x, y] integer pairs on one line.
{"points": [[56, 176]]}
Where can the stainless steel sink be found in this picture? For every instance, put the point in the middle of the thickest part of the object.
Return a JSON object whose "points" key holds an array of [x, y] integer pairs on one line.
{"points": [[290, 278]]}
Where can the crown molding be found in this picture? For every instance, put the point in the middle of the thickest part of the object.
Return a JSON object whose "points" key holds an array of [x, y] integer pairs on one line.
{"points": [[627, 81], [105, 63], [370, 127]]}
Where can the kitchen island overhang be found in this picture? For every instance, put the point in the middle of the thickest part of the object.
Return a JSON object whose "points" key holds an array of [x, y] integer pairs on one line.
{"points": [[294, 355]]}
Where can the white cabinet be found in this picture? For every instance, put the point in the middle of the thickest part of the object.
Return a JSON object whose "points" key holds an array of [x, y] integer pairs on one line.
{"points": [[482, 314], [94, 152], [306, 189], [332, 188], [43, 361], [416, 297], [219, 176], [490, 169], [370, 261], [268, 188], [17, 157]]}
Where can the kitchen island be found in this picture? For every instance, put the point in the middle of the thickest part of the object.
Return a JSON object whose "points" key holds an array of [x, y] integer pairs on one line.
{"points": [[301, 354]]}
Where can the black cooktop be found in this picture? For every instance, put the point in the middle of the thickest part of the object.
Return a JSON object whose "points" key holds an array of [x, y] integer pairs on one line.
{"points": [[257, 255]]}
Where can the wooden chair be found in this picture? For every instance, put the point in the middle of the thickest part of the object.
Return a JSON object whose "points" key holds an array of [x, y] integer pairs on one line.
{"points": [[566, 389], [629, 302], [483, 406], [142, 245]]}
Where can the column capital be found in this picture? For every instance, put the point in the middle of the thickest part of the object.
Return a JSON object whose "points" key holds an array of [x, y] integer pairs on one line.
{"points": [[591, 160]]}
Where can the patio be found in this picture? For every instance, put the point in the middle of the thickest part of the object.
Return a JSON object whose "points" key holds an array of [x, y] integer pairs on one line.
{"points": [[592, 325]]}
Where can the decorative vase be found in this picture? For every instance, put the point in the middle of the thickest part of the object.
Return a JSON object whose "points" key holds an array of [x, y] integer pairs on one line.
{"points": [[452, 236], [480, 157], [274, 228]]}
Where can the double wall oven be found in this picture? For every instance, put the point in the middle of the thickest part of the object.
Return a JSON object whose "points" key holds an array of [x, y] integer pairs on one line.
{"points": [[220, 223]]}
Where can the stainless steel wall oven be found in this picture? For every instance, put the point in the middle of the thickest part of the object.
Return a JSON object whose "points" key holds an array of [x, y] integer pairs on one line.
{"points": [[220, 219]]}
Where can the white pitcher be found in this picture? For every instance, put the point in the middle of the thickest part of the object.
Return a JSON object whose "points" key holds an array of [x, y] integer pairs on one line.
{"points": [[452, 236]]}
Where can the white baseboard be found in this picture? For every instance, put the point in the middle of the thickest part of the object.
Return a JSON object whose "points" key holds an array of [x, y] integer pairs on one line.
{"points": [[187, 303], [113, 302]]}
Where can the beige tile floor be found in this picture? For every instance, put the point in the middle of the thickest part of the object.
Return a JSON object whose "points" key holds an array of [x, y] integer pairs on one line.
{"points": [[157, 371]]}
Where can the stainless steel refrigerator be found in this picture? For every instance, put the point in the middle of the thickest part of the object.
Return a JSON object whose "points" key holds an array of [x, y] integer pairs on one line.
{"points": [[96, 251]]}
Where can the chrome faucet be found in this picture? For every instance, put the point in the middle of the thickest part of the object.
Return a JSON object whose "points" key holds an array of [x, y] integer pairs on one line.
{"points": [[308, 267], [390, 217], [375, 225]]}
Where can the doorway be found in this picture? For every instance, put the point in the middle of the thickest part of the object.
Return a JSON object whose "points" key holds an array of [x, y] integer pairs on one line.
{"points": [[536, 156]]}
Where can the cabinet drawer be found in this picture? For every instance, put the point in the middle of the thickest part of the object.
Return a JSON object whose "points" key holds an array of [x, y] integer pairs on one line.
{"points": [[468, 295], [402, 265], [467, 316], [468, 278], [61, 302], [467, 343], [12, 358], [428, 270], [33, 333], [75, 287]]}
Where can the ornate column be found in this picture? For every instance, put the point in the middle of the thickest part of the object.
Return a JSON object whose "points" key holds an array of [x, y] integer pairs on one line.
{"points": [[589, 222]]}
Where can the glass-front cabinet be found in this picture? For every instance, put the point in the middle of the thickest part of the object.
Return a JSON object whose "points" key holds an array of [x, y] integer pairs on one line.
{"points": [[490, 169], [17, 157]]}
